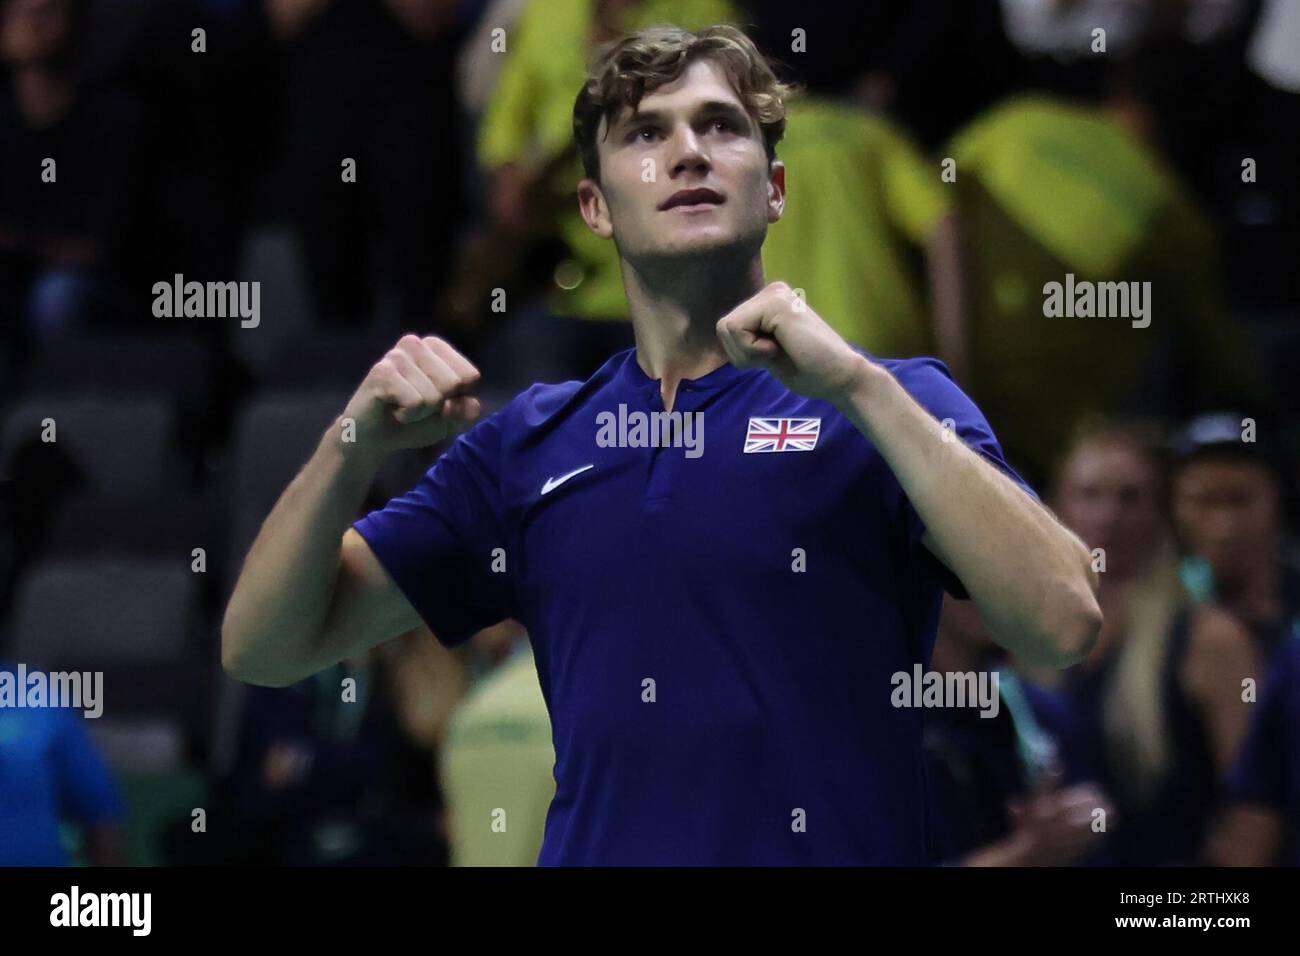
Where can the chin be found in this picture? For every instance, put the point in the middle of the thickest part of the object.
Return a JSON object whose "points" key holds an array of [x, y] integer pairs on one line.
{"points": [[700, 242]]}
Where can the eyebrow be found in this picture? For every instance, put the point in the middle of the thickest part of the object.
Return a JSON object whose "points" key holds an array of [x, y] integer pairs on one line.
{"points": [[710, 107]]}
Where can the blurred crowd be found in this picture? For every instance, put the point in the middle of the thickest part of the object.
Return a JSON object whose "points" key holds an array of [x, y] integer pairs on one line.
{"points": [[383, 166]]}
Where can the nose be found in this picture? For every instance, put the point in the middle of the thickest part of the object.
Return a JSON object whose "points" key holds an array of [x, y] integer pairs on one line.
{"points": [[1221, 526], [687, 152]]}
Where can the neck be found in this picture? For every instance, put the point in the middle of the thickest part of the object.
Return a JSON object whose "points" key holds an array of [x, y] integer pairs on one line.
{"points": [[676, 304], [43, 94]]}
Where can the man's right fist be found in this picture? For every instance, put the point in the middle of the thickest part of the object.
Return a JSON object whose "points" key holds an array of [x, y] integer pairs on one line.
{"points": [[413, 397]]}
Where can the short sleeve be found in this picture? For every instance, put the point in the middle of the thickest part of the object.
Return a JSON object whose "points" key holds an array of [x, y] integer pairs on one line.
{"points": [[87, 792], [439, 540], [1258, 776], [928, 381]]}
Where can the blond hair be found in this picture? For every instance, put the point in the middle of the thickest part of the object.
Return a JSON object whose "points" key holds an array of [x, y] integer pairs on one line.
{"points": [[1135, 709]]}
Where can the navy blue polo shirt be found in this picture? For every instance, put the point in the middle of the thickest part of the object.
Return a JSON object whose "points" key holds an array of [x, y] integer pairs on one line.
{"points": [[715, 629]]}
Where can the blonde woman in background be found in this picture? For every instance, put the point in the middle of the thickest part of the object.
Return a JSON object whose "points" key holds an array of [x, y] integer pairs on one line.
{"points": [[1156, 710]]}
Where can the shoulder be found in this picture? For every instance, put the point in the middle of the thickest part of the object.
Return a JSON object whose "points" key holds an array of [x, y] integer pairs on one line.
{"points": [[917, 369], [539, 408], [928, 380], [1213, 633], [540, 403], [1218, 645]]}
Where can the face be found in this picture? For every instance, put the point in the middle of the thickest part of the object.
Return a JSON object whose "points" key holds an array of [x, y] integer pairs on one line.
{"points": [[686, 174], [1227, 513], [1109, 497], [32, 31]]}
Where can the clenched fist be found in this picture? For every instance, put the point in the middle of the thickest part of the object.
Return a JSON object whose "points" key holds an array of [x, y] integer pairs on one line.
{"points": [[778, 330], [413, 397]]}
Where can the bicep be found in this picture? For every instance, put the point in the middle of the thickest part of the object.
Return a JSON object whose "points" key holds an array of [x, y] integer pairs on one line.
{"points": [[367, 607]]}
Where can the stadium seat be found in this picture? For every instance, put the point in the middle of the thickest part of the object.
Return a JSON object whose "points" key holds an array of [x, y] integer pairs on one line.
{"points": [[140, 746], [271, 257], [85, 613], [274, 437], [133, 621], [122, 446], [172, 366], [168, 526]]}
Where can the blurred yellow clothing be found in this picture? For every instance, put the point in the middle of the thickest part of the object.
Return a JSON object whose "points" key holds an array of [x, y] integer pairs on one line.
{"points": [[498, 769], [530, 119], [1045, 189], [858, 194]]}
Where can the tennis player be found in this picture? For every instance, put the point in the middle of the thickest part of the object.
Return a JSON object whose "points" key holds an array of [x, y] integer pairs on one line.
{"points": [[715, 627]]}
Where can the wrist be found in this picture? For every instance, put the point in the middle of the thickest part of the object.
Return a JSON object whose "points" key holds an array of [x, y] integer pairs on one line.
{"points": [[864, 381], [356, 459]]}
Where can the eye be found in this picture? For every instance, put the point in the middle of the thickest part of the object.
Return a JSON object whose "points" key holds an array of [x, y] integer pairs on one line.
{"points": [[724, 123], [637, 135]]}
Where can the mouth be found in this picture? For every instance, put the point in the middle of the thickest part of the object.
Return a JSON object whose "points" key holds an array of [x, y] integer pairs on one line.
{"points": [[692, 199]]}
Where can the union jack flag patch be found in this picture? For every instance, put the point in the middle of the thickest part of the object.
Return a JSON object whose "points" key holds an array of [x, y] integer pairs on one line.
{"points": [[782, 434]]}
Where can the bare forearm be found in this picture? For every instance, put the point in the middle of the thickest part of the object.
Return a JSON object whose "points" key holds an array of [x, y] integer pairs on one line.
{"points": [[1028, 574], [277, 612]]}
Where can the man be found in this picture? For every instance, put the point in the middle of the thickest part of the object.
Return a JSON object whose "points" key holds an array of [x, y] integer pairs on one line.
{"points": [[56, 785], [1229, 504], [498, 759], [1047, 189], [62, 241], [715, 626], [1003, 792]]}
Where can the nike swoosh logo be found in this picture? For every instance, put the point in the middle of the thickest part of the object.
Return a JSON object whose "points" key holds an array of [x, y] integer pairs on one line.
{"points": [[553, 483]]}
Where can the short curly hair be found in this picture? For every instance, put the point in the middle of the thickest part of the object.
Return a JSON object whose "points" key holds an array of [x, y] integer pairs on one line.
{"points": [[627, 69]]}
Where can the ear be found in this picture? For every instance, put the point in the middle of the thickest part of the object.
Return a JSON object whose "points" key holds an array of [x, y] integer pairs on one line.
{"points": [[776, 191], [595, 211]]}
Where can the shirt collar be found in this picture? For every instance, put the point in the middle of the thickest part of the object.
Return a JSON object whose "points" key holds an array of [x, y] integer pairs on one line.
{"points": [[630, 373]]}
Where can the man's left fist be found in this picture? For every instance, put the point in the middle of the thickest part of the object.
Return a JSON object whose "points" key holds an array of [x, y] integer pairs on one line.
{"points": [[778, 330]]}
